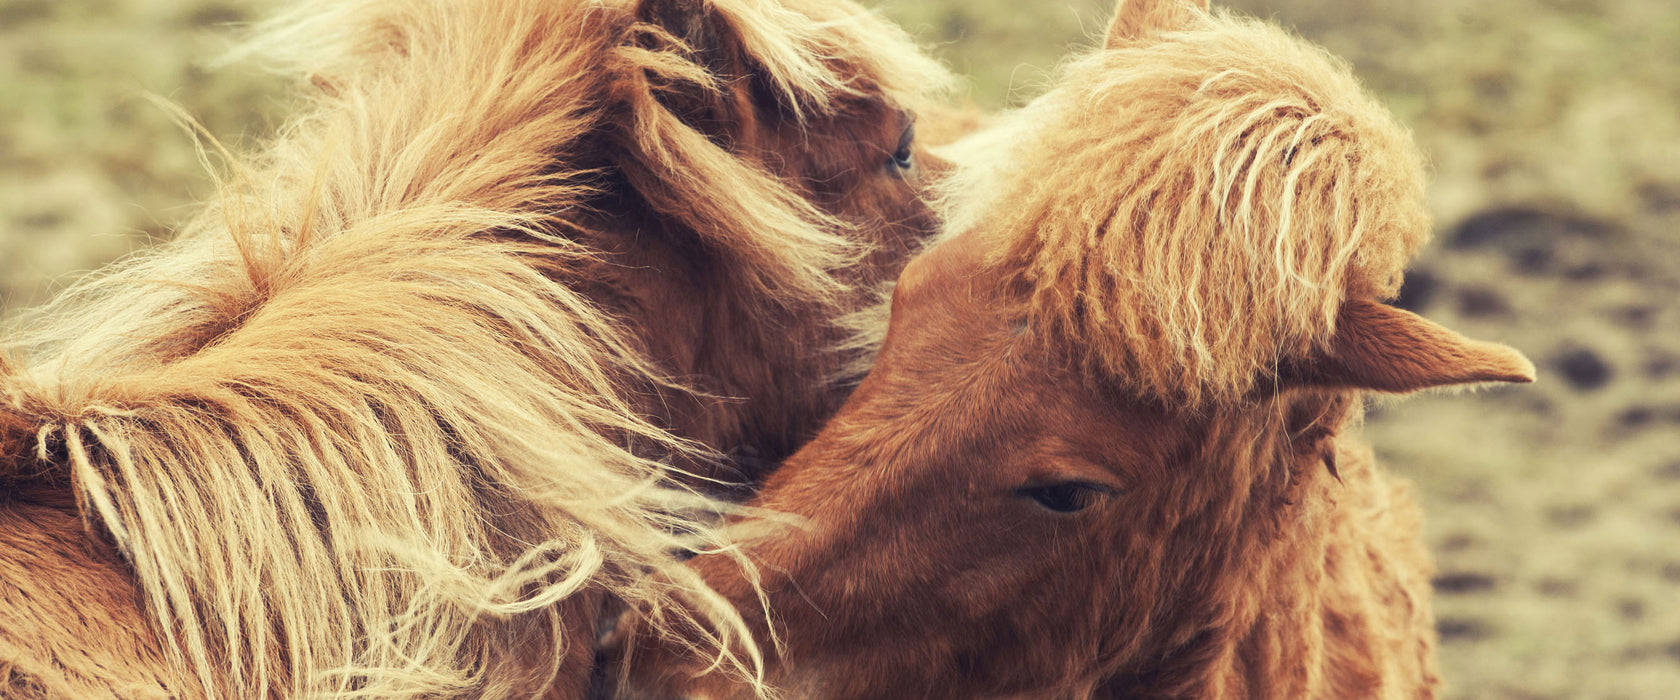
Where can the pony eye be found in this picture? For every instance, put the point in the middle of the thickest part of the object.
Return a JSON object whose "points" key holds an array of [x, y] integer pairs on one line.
{"points": [[1067, 497], [904, 157]]}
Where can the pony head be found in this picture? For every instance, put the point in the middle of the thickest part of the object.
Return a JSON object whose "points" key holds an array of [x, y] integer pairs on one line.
{"points": [[813, 103], [1100, 453], [1195, 202], [398, 411]]}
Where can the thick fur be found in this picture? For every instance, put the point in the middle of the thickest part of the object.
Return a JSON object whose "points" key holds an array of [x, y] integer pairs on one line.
{"points": [[59, 593], [1236, 185], [381, 422]]}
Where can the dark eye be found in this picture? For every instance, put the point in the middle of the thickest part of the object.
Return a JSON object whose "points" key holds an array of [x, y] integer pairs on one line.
{"points": [[1066, 497], [904, 157]]}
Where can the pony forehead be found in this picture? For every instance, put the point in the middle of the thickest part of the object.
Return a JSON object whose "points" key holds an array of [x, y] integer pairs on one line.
{"points": [[817, 48], [1190, 211]]}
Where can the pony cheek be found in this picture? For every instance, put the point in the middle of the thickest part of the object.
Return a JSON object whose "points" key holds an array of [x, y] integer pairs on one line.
{"points": [[900, 200]]}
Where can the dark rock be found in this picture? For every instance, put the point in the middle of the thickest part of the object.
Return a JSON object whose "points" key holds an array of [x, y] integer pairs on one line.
{"points": [[17, 12], [1463, 583], [1482, 302], [1458, 543], [1636, 417], [1669, 472], [1642, 417], [1419, 289], [1646, 652], [1587, 272], [42, 222], [1639, 317], [1518, 228], [1533, 261], [1454, 629], [1538, 404], [1659, 365], [1530, 238], [1631, 609], [1659, 198], [1583, 369], [218, 14]]}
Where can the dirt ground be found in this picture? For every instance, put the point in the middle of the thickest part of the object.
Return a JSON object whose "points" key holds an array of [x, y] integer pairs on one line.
{"points": [[1553, 127]]}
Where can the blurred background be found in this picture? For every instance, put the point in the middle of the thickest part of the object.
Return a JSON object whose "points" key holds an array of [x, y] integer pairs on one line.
{"points": [[1553, 129]]}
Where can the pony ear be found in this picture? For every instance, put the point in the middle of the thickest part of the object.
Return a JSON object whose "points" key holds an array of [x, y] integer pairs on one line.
{"points": [[711, 45], [1382, 348], [1135, 20], [692, 22]]}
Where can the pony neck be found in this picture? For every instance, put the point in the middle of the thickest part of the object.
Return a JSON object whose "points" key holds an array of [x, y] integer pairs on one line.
{"points": [[1249, 611], [1343, 605], [712, 340]]}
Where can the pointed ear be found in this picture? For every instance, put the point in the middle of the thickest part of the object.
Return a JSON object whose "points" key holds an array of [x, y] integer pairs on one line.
{"points": [[695, 87], [693, 22], [1135, 20], [1382, 348]]}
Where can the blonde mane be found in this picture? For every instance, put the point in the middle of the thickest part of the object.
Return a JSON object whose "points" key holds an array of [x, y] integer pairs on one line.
{"points": [[355, 431], [1192, 208]]}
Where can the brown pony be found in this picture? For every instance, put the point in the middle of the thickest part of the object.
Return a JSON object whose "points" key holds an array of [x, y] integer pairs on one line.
{"points": [[396, 414], [1104, 450]]}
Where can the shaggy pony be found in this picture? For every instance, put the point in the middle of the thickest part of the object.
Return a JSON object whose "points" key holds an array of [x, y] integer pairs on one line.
{"points": [[397, 412], [1103, 452]]}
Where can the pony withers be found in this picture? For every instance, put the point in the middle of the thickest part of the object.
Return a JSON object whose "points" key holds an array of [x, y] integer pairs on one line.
{"points": [[398, 413], [1104, 450]]}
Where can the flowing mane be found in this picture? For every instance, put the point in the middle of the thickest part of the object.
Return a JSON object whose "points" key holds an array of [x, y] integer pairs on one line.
{"points": [[1234, 186], [363, 425]]}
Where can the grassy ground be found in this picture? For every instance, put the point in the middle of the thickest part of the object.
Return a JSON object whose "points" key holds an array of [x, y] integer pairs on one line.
{"points": [[1553, 127]]}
